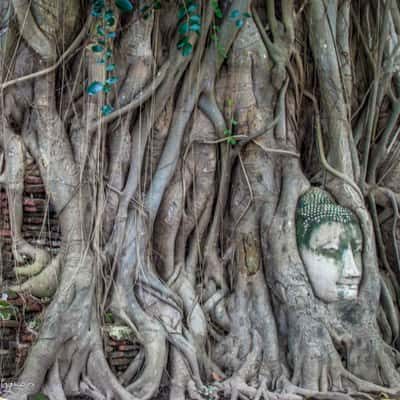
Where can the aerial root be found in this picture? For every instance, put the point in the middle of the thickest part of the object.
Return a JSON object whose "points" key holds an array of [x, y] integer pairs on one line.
{"points": [[195, 394], [45, 283], [133, 368], [100, 382], [237, 388], [325, 372], [53, 388], [156, 354], [88, 389], [39, 256], [78, 364], [363, 388], [369, 387], [189, 352]]}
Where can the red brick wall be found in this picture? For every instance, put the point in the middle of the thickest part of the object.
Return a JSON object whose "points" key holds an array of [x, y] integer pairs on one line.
{"points": [[40, 229]]}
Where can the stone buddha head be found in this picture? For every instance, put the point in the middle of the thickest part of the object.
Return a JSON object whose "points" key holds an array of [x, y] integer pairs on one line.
{"points": [[330, 244]]}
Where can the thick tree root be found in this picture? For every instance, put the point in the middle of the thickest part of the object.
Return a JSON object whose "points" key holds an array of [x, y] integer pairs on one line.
{"points": [[45, 283], [327, 373], [133, 368], [237, 388], [366, 387], [40, 259]]}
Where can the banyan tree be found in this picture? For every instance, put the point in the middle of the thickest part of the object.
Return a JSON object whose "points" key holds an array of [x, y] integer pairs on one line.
{"points": [[225, 176]]}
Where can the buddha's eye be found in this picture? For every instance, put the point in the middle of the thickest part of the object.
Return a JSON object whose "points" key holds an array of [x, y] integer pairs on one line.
{"points": [[329, 251], [356, 247]]}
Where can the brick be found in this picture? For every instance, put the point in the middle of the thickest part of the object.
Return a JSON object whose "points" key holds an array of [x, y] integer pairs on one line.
{"points": [[128, 347], [120, 361], [9, 324], [27, 338]]}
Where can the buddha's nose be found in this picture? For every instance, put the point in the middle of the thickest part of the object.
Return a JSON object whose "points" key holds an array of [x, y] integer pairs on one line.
{"points": [[350, 269]]}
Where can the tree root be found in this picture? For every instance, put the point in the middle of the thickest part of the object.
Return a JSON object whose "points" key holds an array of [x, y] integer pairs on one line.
{"points": [[53, 389], [39, 256], [156, 352], [373, 360], [389, 308], [45, 283], [363, 388], [236, 388], [133, 368], [99, 373], [331, 379]]}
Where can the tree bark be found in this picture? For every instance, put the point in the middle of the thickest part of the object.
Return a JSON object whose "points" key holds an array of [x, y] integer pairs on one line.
{"points": [[175, 142]]}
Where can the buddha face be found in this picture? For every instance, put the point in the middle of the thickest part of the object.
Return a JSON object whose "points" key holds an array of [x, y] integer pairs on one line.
{"points": [[332, 259]]}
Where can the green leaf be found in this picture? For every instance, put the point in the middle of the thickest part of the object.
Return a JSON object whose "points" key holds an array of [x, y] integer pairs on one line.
{"points": [[97, 48], [235, 14], [109, 14], [193, 8], [5, 314], [246, 15], [239, 23], [221, 51], [227, 132], [107, 109], [183, 28], [217, 9], [111, 35], [112, 80], [100, 30], [11, 294], [144, 9], [94, 88], [231, 141], [3, 303], [110, 21], [39, 396], [96, 13], [195, 27], [195, 18], [107, 89], [187, 49], [233, 121], [157, 4], [124, 5], [181, 12], [109, 318], [100, 60], [108, 53], [182, 42], [110, 67]]}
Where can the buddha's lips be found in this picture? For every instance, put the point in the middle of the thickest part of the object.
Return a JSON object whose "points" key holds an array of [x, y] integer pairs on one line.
{"points": [[348, 282], [345, 285]]}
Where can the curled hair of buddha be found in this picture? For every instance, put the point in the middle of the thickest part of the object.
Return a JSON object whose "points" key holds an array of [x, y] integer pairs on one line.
{"points": [[316, 207]]}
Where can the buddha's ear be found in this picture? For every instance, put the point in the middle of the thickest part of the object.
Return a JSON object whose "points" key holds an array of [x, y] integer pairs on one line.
{"points": [[355, 230]]}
